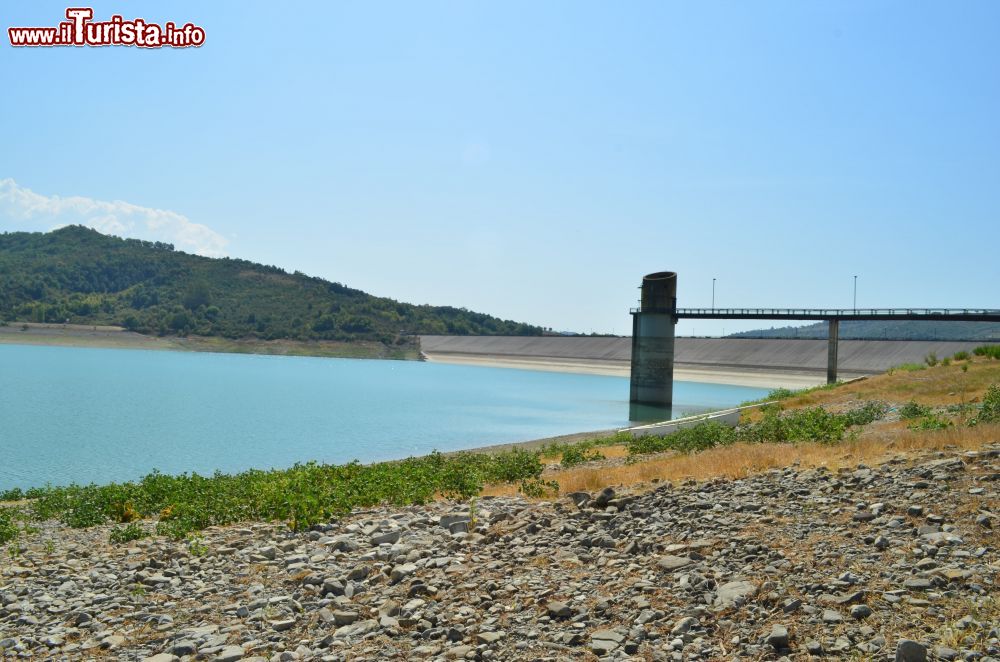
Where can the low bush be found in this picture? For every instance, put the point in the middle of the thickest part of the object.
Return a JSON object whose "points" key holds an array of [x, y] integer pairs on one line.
{"points": [[8, 526], [574, 455], [992, 351], [813, 424], [133, 531], [869, 412], [785, 393], [960, 356], [989, 412], [302, 496], [930, 422], [536, 488], [913, 410], [907, 367]]}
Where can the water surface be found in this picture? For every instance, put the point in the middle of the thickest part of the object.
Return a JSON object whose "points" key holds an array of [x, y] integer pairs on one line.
{"points": [[96, 415]]}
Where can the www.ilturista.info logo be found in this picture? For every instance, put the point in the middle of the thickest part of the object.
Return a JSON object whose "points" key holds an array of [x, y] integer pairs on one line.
{"points": [[80, 30]]}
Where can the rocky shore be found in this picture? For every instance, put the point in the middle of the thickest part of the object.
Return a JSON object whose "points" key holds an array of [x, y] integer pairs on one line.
{"points": [[898, 561]]}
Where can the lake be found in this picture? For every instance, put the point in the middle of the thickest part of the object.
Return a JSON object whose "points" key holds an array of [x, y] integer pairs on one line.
{"points": [[98, 415]]}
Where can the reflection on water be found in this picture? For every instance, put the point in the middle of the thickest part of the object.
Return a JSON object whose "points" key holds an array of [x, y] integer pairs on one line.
{"points": [[640, 413]]}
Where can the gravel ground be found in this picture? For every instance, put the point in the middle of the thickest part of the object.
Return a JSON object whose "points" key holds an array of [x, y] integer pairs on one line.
{"points": [[898, 561]]}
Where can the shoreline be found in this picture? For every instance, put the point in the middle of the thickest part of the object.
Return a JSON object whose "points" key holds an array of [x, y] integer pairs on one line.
{"points": [[759, 378], [113, 337]]}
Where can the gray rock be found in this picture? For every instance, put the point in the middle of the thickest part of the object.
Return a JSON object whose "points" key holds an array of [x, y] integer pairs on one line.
{"points": [[603, 642], [401, 572], [389, 537], [671, 563], [861, 611], [908, 650], [778, 638], [683, 626], [389, 608], [447, 520], [945, 653], [459, 652], [341, 617], [230, 654], [282, 625], [558, 609], [184, 647], [918, 584], [831, 616], [734, 593], [604, 497]]}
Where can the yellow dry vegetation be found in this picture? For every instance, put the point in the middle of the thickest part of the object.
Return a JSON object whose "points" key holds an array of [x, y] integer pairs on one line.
{"points": [[741, 460], [939, 385]]}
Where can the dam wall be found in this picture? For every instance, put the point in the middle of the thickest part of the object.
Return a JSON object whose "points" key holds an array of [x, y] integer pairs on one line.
{"points": [[856, 357]]}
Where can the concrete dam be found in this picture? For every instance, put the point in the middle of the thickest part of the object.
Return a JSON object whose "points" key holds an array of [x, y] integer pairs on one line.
{"points": [[804, 358]]}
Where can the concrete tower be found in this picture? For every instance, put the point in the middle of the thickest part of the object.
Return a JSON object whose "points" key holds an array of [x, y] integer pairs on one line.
{"points": [[653, 341]]}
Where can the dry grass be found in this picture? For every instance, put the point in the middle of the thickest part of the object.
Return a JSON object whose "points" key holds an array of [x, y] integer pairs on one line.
{"points": [[741, 460], [609, 453], [940, 385]]}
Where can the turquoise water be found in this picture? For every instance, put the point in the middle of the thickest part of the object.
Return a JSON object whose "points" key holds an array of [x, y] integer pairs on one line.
{"points": [[83, 415]]}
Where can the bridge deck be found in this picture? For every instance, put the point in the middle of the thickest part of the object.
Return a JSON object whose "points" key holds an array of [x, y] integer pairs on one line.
{"points": [[833, 316], [841, 314]]}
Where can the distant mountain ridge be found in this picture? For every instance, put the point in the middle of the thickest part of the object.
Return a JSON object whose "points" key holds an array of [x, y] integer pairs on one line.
{"points": [[78, 275], [885, 330]]}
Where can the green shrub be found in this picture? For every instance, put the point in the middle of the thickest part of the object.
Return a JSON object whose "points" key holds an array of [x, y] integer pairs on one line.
{"points": [[695, 438], [781, 394], [907, 367], [931, 359], [8, 527], [785, 393], [15, 494], [913, 410], [84, 509], [992, 351], [989, 412], [133, 531], [930, 422], [869, 412], [535, 488], [813, 424], [961, 356], [574, 455], [302, 496]]}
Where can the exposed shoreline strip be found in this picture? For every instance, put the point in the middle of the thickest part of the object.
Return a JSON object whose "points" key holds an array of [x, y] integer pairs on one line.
{"points": [[760, 378]]}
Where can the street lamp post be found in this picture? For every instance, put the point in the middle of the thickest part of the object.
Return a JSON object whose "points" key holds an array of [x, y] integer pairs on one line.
{"points": [[855, 294]]}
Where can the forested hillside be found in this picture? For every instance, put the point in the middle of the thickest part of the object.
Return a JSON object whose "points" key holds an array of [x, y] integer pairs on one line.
{"points": [[78, 275]]}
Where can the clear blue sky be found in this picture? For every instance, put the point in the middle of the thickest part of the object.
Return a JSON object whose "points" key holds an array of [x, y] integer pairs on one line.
{"points": [[534, 159]]}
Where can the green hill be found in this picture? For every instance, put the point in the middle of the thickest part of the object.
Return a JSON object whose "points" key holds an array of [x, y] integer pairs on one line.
{"points": [[885, 330], [81, 276]]}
